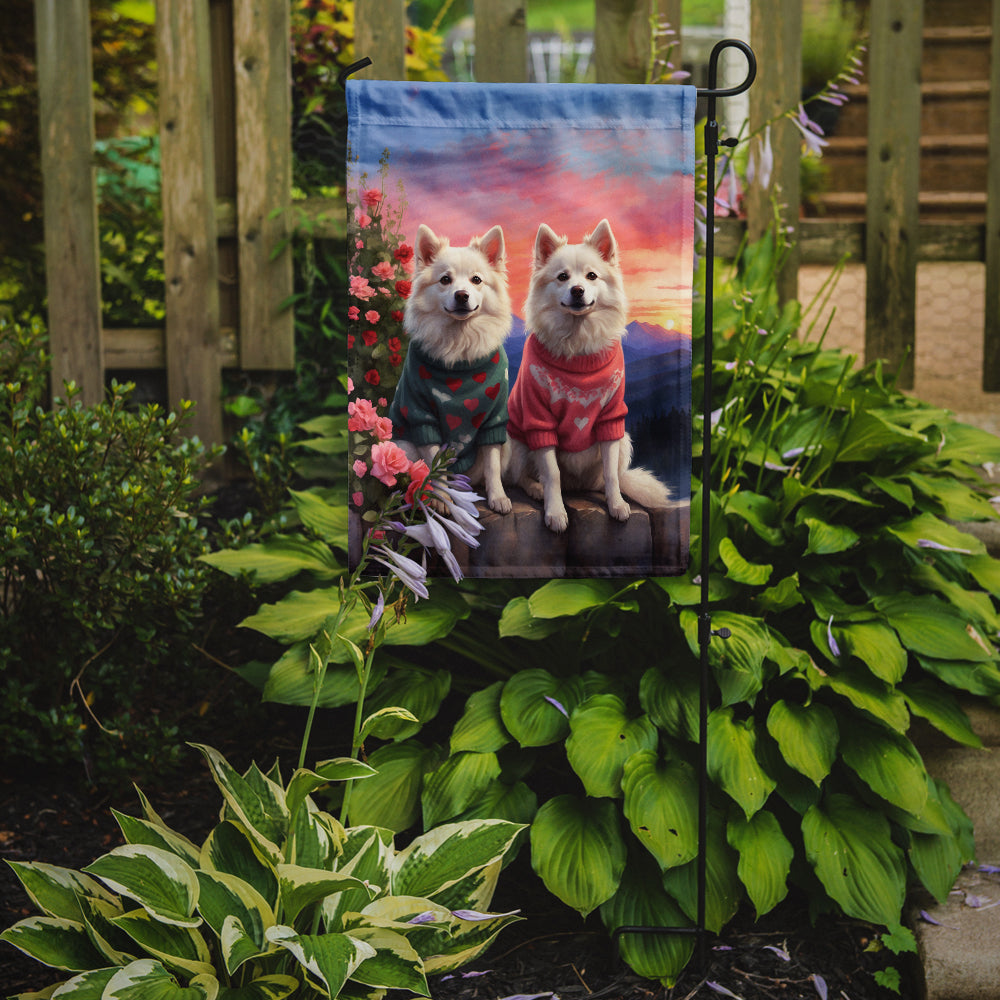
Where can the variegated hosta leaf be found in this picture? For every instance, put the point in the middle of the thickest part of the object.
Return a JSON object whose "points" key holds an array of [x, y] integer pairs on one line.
{"points": [[225, 897], [99, 915], [395, 964], [141, 831], [329, 959], [481, 727], [230, 849], [159, 881], [367, 853], [602, 738], [456, 784], [304, 782], [765, 858], [56, 891], [256, 801], [807, 736], [723, 889], [578, 851], [315, 838], [301, 887], [732, 760], [86, 986], [642, 902], [147, 979], [466, 941], [177, 947], [475, 891], [850, 847], [535, 706], [661, 805], [275, 987], [888, 763], [54, 941], [441, 857]]}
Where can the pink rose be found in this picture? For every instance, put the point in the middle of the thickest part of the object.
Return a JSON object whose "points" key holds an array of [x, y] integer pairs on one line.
{"points": [[362, 219], [362, 415], [371, 197], [384, 271], [383, 428], [359, 244], [371, 316], [353, 312], [418, 473], [360, 468], [388, 461], [360, 288], [350, 384]]}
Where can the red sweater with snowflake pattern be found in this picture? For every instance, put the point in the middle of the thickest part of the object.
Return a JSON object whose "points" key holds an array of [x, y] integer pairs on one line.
{"points": [[569, 403]]}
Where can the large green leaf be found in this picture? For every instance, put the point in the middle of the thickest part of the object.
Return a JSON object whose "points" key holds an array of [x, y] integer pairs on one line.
{"points": [[330, 959], [671, 699], [807, 736], [641, 901], [941, 709], [418, 690], [866, 692], [164, 885], [723, 889], [535, 706], [870, 436], [56, 891], [661, 806], [55, 941], [876, 646], [958, 502], [481, 727], [438, 859], [827, 539], [732, 760], [851, 850], [924, 528], [739, 569], [765, 858], [578, 851], [147, 979], [391, 798], [517, 620], [561, 598], [327, 520], [602, 737], [292, 680], [279, 558], [516, 803], [456, 784], [931, 628], [888, 763], [976, 678], [738, 661]]}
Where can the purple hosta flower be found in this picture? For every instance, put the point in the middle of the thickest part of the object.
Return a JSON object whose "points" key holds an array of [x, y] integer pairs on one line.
{"points": [[927, 543], [780, 952], [990, 869], [531, 996], [811, 132], [558, 705], [465, 975], [719, 988], [760, 165], [432, 536], [427, 917], [927, 918], [475, 915], [456, 495], [377, 612], [409, 571], [820, 983], [834, 648], [730, 200]]}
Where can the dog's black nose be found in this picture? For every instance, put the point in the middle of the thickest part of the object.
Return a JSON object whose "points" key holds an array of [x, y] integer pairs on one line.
{"points": [[461, 298], [576, 292]]}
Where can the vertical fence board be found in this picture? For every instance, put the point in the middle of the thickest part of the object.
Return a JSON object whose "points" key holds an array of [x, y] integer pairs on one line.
{"points": [[190, 254], [501, 41], [776, 34], [380, 34], [622, 40], [72, 256], [892, 215], [261, 57], [991, 332]]}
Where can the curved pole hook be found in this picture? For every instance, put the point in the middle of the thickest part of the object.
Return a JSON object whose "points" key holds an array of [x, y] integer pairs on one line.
{"points": [[353, 68], [713, 69]]}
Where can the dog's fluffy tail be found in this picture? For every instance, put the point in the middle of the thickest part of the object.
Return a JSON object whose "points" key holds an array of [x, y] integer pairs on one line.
{"points": [[644, 488]]}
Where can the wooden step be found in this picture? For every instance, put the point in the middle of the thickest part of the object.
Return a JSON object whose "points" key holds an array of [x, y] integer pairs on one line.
{"points": [[957, 206], [945, 104], [947, 162], [956, 53], [945, 12]]}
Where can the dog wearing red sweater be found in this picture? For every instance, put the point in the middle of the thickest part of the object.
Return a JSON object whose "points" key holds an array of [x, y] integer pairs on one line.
{"points": [[566, 419]]}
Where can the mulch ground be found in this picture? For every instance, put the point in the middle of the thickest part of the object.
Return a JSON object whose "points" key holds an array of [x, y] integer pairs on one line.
{"points": [[550, 953]]}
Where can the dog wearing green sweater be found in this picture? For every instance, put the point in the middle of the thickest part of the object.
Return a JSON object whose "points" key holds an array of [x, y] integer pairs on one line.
{"points": [[453, 388]]}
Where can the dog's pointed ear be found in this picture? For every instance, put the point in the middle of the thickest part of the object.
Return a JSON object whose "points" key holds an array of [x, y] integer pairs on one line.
{"points": [[428, 245], [491, 246], [546, 244], [603, 241]]}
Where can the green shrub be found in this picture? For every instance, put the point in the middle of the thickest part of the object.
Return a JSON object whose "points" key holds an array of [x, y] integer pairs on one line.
{"points": [[279, 900], [101, 584]]}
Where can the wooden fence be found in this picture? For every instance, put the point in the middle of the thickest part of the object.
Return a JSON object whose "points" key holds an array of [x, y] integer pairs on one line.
{"points": [[226, 160]]}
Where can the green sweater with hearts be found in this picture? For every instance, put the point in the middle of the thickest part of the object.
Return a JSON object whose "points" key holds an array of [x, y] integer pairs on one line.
{"points": [[462, 405]]}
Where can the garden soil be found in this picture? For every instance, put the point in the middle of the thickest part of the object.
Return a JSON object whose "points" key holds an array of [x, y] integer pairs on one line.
{"points": [[59, 820]]}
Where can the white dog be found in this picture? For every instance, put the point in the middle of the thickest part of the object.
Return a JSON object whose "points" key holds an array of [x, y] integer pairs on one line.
{"points": [[567, 405], [453, 388]]}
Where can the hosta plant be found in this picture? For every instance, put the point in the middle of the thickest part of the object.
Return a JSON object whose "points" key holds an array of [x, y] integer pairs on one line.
{"points": [[279, 900]]}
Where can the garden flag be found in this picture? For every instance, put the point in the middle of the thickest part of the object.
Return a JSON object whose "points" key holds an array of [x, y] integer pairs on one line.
{"points": [[521, 262]]}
